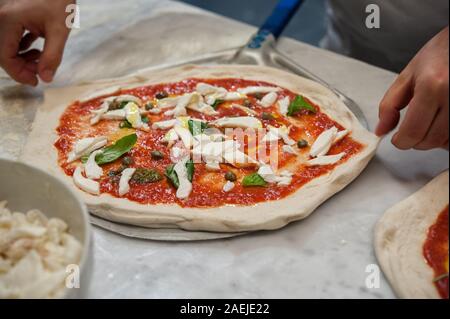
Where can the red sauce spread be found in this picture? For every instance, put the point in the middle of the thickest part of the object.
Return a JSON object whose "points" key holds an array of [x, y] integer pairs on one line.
{"points": [[207, 186], [435, 251]]}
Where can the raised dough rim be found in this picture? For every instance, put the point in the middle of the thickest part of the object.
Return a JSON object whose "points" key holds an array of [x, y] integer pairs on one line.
{"points": [[399, 237], [222, 219]]}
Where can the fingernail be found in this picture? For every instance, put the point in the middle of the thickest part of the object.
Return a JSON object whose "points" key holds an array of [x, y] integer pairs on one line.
{"points": [[47, 75]]}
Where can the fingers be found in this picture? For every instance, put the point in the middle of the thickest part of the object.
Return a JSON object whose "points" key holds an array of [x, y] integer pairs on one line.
{"points": [[55, 40], [418, 120], [396, 98], [437, 136], [21, 68]]}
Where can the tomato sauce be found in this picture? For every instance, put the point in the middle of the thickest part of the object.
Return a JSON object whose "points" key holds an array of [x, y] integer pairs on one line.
{"points": [[435, 251], [207, 186]]}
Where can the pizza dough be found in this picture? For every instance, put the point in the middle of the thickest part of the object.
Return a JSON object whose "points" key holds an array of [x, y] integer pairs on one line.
{"points": [[40, 151], [400, 235]]}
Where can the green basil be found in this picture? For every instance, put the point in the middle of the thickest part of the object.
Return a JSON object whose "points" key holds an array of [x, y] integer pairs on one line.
{"points": [[197, 127], [253, 180], [173, 177], [299, 104], [216, 103], [113, 152]]}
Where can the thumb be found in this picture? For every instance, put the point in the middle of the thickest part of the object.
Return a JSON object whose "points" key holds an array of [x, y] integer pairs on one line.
{"points": [[55, 41]]}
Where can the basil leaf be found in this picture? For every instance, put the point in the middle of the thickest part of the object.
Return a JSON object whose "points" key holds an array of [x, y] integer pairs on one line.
{"points": [[113, 152], [145, 120], [299, 104], [197, 127], [190, 170], [173, 177], [216, 103], [253, 180]]}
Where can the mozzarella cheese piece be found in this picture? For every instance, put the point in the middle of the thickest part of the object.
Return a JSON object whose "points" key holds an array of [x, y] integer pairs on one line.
{"points": [[98, 113], [288, 149], [124, 183], [277, 133], [238, 158], [228, 186], [180, 107], [269, 99], [267, 173], [164, 125], [185, 136], [245, 109], [86, 146], [258, 89], [239, 122], [340, 135], [208, 89], [326, 160], [168, 102], [185, 187], [114, 115], [171, 137], [85, 184], [323, 142], [91, 168], [133, 116], [283, 105]]}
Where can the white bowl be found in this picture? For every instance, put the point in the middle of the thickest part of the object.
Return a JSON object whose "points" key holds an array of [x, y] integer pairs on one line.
{"points": [[25, 187]]}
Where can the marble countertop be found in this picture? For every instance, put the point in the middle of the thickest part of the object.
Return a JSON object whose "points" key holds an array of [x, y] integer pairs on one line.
{"points": [[324, 256]]}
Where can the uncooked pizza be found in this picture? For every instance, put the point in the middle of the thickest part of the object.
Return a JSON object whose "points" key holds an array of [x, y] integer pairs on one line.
{"points": [[224, 148], [411, 242]]}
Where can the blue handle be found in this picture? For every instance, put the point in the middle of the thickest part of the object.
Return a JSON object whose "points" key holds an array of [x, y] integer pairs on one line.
{"points": [[277, 21]]}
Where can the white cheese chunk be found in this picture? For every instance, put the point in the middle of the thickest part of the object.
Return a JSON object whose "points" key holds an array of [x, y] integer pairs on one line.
{"points": [[164, 125], [323, 142], [114, 115], [202, 107], [171, 137], [326, 160], [238, 158], [124, 183], [185, 187], [86, 146], [228, 186], [267, 173], [233, 96], [244, 108], [98, 113], [258, 89], [276, 133], [185, 135], [85, 184], [212, 166], [288, 149], [208, 89], [340, 135], [283, 105], [133, 116], [239, 122], [269, 99], [91, 168], [180, 107], [168, 102]]}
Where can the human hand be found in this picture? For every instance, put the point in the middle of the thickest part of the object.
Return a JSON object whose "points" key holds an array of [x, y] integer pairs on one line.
{"points": [[21, 23], [423, 86]]}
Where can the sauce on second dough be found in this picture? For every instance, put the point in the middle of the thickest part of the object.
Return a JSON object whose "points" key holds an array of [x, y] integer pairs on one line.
{"points": [[435, 251]]}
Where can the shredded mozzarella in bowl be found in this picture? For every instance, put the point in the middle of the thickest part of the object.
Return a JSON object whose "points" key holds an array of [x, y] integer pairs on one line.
{"points": [[35, 252]]}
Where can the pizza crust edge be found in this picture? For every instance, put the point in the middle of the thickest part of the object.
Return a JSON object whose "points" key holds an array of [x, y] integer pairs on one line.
{"points": [[39, 151], [400, 235]]}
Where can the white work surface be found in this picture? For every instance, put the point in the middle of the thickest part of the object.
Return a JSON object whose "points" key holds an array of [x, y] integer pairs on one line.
{"points": [[324, 256]]}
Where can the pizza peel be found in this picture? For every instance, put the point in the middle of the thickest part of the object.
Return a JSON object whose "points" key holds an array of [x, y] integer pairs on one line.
{"points": [[260, 50]]}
